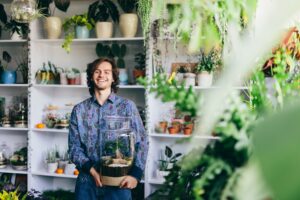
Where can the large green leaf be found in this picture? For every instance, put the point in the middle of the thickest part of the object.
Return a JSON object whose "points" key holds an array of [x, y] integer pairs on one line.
{"points": [[6, 56], [3, 16], [62, 5], [277, 145]]}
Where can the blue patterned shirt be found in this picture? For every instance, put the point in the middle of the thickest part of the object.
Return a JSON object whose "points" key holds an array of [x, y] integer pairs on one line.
{"points": [[88, 127]]}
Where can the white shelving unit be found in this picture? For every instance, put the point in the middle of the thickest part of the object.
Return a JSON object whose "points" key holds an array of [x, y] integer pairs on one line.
{"points": [[10, 170]]}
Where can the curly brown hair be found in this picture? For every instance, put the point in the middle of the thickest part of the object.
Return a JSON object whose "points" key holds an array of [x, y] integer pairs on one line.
{"points": [[91, 68]]}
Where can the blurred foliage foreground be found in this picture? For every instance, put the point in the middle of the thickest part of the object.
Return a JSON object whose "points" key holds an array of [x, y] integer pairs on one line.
{"points": [[257, 155]]}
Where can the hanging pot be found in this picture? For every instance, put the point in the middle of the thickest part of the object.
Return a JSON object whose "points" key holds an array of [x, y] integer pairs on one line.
{"points": [[104, 29], [129, 24], [52, 27]]}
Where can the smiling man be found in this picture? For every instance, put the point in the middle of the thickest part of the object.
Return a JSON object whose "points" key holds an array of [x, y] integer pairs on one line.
{"points": [[87, 124]]}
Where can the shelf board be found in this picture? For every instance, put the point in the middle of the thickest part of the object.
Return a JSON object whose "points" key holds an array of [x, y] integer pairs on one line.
{"points": [[180, 135], [14, 85], [219, 87], [13, 129], [10, 170], [156, 181], [44, 173], [50, 130], [82, 86], [13, 41], [90, 40]]}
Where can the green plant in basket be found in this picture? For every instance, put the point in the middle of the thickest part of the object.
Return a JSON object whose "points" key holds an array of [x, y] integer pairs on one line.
{"points": [[69, 25]]}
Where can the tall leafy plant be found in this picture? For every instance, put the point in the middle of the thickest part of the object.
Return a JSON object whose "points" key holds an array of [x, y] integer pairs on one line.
{"points": [[44, 6], [128, 6], [100, 11]]}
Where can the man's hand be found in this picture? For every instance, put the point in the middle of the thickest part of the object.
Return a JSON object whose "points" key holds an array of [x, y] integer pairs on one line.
{"points": [[129, 182], [96, 177]]}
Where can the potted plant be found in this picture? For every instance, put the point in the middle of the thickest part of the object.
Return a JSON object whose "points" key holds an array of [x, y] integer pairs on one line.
{"points": [[99, 12], [163, 125], [19, 159], [82, 29], [52, 164], [128, 20], [17, 30], [165, 162], [139, 70], [7, 76], [180, 73], [48, 74], [119, 51], [23, 69], [72, 76], [208, 63], [53, 24]]}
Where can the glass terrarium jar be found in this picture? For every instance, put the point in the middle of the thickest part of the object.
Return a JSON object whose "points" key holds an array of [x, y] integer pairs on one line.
{"points": [[117, 152]]}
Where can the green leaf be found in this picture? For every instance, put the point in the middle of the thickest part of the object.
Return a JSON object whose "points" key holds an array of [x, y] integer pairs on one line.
{"points": [[168, 152], [276, 144], [62, 5], [6, 56]]}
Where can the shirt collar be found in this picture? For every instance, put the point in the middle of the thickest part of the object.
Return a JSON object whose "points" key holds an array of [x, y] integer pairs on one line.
{"points": [[111, 98]]}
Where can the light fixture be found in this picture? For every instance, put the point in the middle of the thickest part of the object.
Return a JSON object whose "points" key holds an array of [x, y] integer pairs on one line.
{"points": [[24, 11]]}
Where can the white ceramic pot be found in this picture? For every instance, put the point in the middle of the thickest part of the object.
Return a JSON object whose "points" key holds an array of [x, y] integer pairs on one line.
{"points": [[179, 77], [128, 24], [190, 79], [62, 164], [123, 76], [204, 79], [51, 167], [83, 78], [15, 36], [104, 29], [70, 168], [52, 27], [63, 79], [161, 174]]}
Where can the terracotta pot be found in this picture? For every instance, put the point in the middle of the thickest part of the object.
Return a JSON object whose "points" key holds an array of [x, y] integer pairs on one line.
{"points": [[172, 130], [187, 131], [177, 126], [71, 81], [191, 126], [138, 73], [163, 125]]}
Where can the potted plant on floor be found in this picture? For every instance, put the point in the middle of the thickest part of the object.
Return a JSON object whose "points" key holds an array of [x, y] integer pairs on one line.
{"points": [[165, 162], [129, 19], [208, 63], [53, 24], [139, 70], [98, 13], [78, 26], [7, 76]]}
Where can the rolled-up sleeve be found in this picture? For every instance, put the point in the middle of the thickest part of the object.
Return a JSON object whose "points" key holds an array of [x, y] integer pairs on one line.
{"points": [[141, 145], [76, 149]]}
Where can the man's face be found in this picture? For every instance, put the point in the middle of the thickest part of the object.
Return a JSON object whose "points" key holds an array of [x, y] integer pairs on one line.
{"points": [[102, 76]]}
